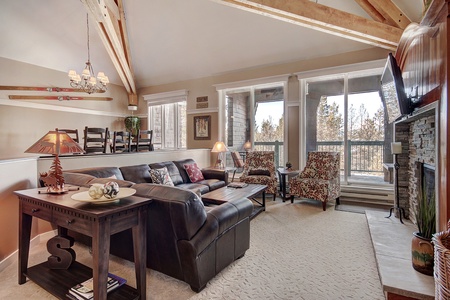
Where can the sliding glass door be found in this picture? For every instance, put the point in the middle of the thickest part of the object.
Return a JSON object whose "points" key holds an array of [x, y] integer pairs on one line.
{"points": [[345, 113], [255, 114]]}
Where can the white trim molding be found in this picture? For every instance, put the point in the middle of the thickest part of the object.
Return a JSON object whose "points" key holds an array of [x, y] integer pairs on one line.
{"points": [[202, 111], [351, 68], [252, 82], [166, 97]]}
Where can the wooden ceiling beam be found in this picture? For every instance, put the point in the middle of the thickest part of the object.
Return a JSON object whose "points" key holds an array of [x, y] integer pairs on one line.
{"points": [[371, 11], [110, 28], [323, 18], [393, 15]]}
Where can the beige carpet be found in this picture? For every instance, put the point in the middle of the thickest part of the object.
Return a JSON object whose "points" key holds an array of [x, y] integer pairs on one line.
{"points": [[297, 251]]}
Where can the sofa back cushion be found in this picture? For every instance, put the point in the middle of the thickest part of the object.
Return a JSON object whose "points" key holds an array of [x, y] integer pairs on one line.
{"points": [[172, 168], [180, 165], [180, 212], [137, 173], [101, 172], [78, 179]]}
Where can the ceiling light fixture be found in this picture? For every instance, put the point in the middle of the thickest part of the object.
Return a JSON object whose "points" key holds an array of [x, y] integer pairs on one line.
{"points": [[87, 81]]}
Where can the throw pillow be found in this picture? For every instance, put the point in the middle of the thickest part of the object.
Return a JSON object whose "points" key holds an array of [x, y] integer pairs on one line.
{"points": [[165, 177], [194, 172], [155, 175], [259, 172]]}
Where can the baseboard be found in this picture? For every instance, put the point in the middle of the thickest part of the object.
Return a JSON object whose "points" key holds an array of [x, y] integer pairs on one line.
{"points": [[12, 258]]}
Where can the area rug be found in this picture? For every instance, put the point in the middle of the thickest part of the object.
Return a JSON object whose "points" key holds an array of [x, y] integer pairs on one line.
{"points": [[297, 251], [359, 207]]}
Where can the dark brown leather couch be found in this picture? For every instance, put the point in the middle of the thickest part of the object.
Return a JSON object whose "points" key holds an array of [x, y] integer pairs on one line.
{"points": [[185, 239]]}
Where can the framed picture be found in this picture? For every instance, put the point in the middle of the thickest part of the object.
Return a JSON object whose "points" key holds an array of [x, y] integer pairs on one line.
{"points": [[202, 128]]}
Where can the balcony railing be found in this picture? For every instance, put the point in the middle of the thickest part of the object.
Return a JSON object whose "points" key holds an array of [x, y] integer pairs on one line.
{"points": [[276, 146], [363, 156]]}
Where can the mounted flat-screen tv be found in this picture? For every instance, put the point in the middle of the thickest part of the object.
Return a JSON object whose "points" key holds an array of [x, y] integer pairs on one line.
{"points": [[393, 91]]}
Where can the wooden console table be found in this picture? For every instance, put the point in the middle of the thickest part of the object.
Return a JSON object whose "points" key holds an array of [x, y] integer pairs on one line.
{"points": [[96, 221]]}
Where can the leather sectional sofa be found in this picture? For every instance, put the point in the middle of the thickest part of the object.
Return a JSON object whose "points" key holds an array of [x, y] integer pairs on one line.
{"points": [[185, 239]]}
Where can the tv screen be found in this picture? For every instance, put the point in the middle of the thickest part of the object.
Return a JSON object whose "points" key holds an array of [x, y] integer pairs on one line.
{"points": [[393, 91]]}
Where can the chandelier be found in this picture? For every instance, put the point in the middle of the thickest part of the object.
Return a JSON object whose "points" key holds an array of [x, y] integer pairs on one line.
{"points": [[87, 81]]}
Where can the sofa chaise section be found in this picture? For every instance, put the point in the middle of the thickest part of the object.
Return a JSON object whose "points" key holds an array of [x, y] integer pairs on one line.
{"points": [[185, 240]]}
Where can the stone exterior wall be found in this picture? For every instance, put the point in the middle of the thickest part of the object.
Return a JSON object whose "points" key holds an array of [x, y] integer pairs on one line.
{"points": [[238, 130]]}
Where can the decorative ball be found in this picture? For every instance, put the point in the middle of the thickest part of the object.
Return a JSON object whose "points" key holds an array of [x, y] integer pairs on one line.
{"points": [[96, 191], [111, 189]]}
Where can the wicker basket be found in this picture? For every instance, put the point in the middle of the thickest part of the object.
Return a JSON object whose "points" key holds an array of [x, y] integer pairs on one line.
{"points": [[441, 242]]}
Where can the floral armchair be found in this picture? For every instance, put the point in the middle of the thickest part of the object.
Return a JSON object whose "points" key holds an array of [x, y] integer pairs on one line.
{"points": [[259, 168], [320, 180]]}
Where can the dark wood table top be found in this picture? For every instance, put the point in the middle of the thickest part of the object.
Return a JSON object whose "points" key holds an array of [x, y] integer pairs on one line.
{"points": [[225, 194]]}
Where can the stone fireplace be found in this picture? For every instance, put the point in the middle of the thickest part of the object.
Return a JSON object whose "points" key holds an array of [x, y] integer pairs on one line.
{"points": [[417, 133]]}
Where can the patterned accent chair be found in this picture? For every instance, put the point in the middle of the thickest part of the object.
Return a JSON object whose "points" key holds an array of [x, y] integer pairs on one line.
{"points": [[259, 168], [320, 180]]}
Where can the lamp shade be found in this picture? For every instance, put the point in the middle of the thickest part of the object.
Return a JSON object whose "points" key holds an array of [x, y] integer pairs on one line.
{"points": [[219, 147], [132, 107], [247, 146], [396, 148], [56, 143]]}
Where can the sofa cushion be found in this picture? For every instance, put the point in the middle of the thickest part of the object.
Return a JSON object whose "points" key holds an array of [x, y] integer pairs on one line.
{"points": [[165, 177], [136, 173], [212, 184], [180, 165], [194, 172], [197, 188], [100, 172], [78, 179], [173, 171]]}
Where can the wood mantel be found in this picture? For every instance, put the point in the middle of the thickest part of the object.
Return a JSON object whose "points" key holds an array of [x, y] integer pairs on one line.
{"points": [[422, 55]]}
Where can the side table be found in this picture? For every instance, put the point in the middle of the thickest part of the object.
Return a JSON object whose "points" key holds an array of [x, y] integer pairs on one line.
{"points": [[283, 173], [96, 221]]}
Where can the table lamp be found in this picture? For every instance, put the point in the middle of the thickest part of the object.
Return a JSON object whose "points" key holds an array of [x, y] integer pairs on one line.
{"points": [[55, 143], [221, 149], [247, 146]]}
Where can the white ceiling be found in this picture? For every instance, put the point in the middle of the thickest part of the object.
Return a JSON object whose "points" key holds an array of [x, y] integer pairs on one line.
{"points": [[170, 40]]}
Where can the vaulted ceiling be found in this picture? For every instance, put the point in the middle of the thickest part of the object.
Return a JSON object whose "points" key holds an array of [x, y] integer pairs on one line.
{"points": [[140, 43]]}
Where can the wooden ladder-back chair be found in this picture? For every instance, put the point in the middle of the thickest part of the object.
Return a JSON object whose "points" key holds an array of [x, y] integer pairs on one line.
{"points": [[319, 180], [238, 163], [73, 133], [95, 139], [259, 168], [144, 140], [121, 142]]}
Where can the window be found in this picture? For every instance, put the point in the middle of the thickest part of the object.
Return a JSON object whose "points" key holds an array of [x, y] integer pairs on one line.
{"points": [[167, 119]]}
